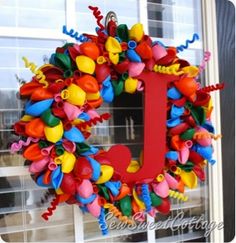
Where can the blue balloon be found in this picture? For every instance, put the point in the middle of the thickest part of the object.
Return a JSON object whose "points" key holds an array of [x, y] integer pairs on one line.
{"points": [[74, 135], [84, 116], [91, 151], [205, 152], [173, 122], [173, 94], [96, 168], [37, 108], [173, 155], [107, 91], [85, 200], [176, 111], [133, 56], [40, 182], [56, 177], [114, 187]]}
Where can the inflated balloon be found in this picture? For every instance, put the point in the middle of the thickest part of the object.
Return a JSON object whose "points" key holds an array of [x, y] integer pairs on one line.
{"points": [[61, 108]]}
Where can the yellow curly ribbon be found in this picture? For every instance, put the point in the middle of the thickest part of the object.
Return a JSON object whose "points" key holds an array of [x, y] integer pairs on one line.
{"points": [[173, 69], [178, 195], [204, 135], [39, 74]]}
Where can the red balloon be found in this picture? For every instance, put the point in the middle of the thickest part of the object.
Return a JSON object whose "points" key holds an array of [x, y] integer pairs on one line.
{"points": [[68, 184], [164, 208], [102, 72], [82, 168]]}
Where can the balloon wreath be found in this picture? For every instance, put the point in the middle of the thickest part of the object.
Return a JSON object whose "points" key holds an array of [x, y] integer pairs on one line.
{"points": [[62, 99]]}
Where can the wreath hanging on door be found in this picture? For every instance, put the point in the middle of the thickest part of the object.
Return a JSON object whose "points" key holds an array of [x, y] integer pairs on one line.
{"points": [[62, 101]]}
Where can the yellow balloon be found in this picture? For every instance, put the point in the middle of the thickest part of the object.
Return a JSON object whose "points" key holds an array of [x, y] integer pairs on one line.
{"points": [[68, 162], [113, 45], [74, 95], [93, 96], [106, 174], [54, 134], [138, 201], [133, 166], [189, 179], [136, 32], [131, 85], [114, 57], [26, 118], [85, 64], [59, 191], [191, 71]]}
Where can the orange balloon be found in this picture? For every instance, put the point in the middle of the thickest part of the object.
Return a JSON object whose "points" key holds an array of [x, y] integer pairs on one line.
{"points": [[144, 50], [35, 128], [187, 86], [29, 88], [88, 83], [125, 190], [95, 103], [176, 142], [90, 49], [41, 94], [33, 152], [135, 207]]}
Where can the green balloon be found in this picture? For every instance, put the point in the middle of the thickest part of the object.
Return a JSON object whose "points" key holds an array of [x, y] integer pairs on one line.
{"points": [[122, 32], [62, 61], [118, 87], [125, 206], [156, 200], [188, 135], [49, 119], [59, 150], [103, 191], [43, 144], [82, 147]]}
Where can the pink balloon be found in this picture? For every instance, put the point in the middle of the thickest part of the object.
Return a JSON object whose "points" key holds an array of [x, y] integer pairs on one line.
{"points": [[183, 155], [135, 68], [69, 146], [72, 111], [46, 151], [152, 213], [172, 182], [85, 189], [158, 52], [161, 188], [94, 208], [92, 114], [52, 165], [38, 166], [204, 141]]}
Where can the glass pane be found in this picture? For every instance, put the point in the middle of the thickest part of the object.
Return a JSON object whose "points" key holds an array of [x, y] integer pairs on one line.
{"points": [[25, 13]]}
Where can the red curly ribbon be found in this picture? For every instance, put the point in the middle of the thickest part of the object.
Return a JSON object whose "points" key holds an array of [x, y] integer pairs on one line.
{"points": [[213, 87], [97, 14], [50, 210], [94, 121]]}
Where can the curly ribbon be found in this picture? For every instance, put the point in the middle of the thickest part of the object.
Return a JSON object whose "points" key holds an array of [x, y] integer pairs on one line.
{"points": [[102, 222], [74, 34], [182, 47], [39, 74], [15, 147], [97, 14], [206, 58], [168, 70], [94, 121], [204, 135], [146, 197], [178, 195], [50, 210], [117, 213], [211, 88]]}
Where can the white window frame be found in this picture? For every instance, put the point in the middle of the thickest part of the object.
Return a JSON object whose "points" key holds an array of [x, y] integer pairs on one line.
{"points": [[212, 77]]}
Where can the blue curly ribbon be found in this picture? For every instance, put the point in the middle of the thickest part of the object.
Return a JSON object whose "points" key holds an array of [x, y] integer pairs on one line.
{"points": [[182, 47], [146, 197], [74, 34], [102, 222]]}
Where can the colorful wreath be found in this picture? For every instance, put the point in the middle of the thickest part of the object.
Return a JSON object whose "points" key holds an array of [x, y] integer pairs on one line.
{"points": [[62, 99]]}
